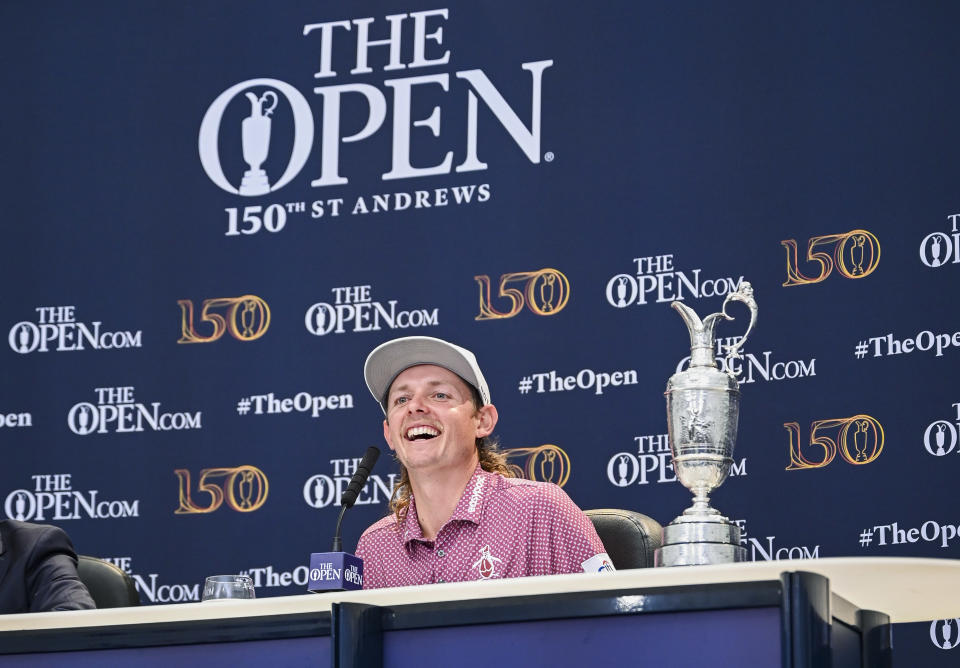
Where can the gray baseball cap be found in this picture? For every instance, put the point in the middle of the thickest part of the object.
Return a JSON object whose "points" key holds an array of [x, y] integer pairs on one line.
{"points": [[389, 359]]}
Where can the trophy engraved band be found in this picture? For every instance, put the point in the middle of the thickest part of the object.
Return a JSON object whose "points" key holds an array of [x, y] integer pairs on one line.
{"points": [[703, 408]]}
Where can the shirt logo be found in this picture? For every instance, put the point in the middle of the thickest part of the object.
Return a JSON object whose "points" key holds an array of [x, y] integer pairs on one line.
{"points": [[475, 496], [485, 565], [599, 563]]}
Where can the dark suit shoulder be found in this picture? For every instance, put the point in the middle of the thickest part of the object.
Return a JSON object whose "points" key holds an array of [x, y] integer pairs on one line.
{"points": [[39, 561]]}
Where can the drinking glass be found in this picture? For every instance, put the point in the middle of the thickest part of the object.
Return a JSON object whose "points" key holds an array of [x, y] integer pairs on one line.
{"points": [[219, 587]]}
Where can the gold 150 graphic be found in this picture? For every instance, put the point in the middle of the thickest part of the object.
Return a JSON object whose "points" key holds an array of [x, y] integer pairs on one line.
{"points": [[858, 439], [855, 255], [544, 292], [545, 463], [244, 488], [246, 318]]}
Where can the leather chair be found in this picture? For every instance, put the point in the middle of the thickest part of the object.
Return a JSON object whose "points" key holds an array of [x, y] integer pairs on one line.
{"points": [[108, 585], [630, 537]]}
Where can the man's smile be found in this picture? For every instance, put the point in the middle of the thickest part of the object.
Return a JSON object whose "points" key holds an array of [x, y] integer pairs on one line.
{"points": [[421, 433]]}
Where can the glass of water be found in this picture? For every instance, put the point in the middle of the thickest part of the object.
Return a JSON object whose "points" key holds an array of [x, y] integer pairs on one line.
{"points": [[219, 587]]}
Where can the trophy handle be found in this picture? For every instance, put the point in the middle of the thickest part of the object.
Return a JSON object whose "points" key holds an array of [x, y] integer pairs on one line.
{"points": [[269, 95], [743, 294]]}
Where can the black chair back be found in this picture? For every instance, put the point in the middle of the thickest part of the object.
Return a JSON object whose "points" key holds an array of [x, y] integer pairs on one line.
{"points": [[630, 537], [108, 585]]}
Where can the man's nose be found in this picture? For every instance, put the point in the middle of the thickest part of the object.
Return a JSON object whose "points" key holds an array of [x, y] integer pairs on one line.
{"points": [[416, 405]]}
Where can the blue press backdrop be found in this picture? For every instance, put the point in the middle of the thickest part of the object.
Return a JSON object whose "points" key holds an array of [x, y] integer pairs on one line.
{"points": [[603, 161]]}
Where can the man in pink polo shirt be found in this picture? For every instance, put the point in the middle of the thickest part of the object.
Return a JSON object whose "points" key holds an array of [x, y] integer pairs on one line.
{"points": [[458, 513]]}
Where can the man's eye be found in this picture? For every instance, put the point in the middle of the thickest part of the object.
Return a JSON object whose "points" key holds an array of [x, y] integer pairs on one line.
{"points": [[400, 400], [442, 395]]}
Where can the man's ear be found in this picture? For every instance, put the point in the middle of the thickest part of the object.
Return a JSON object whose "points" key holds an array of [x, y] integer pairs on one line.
{"points": [[386, 435], [488, 417]]}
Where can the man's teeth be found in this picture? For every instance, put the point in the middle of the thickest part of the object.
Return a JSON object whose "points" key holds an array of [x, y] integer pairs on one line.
{"points": [[422, 432]]}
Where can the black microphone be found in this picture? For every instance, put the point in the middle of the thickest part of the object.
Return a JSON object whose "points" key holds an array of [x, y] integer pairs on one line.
{"points": [[349, 496], [336, 570], [360, 477]]}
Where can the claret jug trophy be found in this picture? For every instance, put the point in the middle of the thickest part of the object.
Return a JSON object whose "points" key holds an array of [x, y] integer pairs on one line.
{"points": [[703, 407]]}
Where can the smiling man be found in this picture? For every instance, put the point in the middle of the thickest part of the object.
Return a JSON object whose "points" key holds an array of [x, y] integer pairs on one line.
{"points": [[458, 514]]}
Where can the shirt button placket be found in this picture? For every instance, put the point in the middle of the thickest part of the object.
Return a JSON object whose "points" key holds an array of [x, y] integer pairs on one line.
{"points": [[440, 554]]}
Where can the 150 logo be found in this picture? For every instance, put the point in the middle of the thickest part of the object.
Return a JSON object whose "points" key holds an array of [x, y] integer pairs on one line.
{"points": [[545, 292], [544, 463], [244, 488], [246, 318], [858, 439], [855, 254]]}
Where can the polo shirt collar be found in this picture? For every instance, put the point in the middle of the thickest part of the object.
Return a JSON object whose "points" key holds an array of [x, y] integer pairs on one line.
{"points": [[469, 508], [411, 524]]}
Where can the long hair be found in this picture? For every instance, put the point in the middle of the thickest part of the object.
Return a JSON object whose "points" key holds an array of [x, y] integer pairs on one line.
{"points": [[492, 460]]}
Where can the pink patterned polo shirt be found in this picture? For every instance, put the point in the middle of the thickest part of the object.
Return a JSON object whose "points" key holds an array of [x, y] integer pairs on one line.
{"points": [[501, 528]]}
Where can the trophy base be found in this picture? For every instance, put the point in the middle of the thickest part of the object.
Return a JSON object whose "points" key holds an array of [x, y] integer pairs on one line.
{"points": [[254, 182], [689, 542]]}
